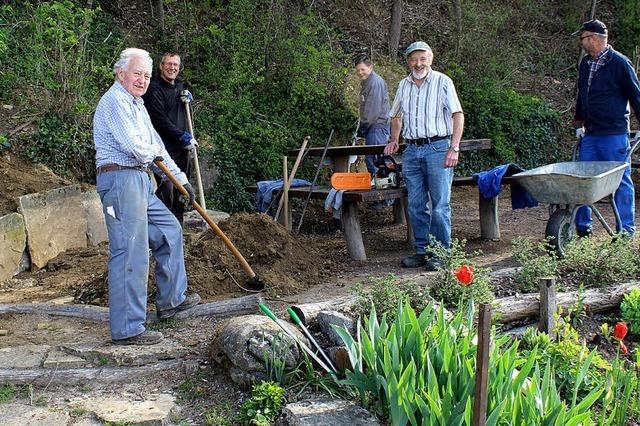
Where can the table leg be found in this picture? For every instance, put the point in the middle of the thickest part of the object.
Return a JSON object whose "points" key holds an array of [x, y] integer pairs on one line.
{"points": [[352, 232]]}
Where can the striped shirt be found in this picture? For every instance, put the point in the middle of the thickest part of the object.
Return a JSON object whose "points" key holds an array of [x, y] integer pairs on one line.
{"points": [[123, 133], [595, 65], [426, 111]]}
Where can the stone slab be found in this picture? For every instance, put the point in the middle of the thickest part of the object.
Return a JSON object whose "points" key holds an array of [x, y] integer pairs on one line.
{"points": [[13, 240], [193, 220], [61, 360], [96, 226], [115, 355], [322, 412], [25, 356], [326, 319], [55, 221], [16, 414], [154, 410]]}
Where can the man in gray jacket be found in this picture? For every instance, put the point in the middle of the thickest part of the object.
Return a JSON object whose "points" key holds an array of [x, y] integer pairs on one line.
{"points": [[374, 108]]}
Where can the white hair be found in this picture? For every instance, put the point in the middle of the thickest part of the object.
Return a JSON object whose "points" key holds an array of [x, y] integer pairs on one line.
{"points": [[127, 54]]}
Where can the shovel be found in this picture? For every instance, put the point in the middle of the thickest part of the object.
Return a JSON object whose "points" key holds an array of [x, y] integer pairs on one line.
{"points": [[187, 107], [254, 283]]}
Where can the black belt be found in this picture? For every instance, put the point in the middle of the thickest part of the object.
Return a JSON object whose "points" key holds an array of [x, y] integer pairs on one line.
{"points": [[425, 141], [114, 167]]}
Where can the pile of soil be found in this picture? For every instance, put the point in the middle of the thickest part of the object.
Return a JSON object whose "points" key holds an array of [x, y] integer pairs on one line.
{"points": [[282, 261], [19, 177]]}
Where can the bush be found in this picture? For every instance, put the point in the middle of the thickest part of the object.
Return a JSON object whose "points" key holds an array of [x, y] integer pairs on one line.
{"points": [[630, 310], [263, 406], [536, 262]]}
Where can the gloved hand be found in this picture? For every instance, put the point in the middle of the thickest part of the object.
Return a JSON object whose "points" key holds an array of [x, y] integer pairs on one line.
{"points": [[580, 133], [193, 144], [192, 195], [186, 139], [186, 96], [158, 158]]}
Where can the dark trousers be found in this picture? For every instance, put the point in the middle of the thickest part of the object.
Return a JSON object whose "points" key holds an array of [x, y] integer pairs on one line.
{"points": [[170, 195]]}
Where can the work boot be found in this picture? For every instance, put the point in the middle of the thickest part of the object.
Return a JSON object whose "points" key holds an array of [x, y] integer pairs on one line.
{"points": [[583, 233], [415, 261], [189, 302], [433, 264], [147, 337]]}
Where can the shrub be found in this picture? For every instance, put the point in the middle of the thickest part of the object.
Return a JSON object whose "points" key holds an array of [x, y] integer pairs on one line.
{"points": [[630, 310], [263, 406]]}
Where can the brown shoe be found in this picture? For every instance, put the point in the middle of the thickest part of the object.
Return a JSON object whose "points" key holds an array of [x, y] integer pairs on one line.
{"points": [[189, 302], [147, 337]]}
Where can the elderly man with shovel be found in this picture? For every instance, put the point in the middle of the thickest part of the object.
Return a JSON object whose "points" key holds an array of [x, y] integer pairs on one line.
{"points": [[167, 101], [126, 146]]}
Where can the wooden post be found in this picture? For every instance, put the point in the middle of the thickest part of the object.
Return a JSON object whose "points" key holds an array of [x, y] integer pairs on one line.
{"points": [[405, 208], [352, 232], [398, 212], [548, 305], [285, 192], [489, 224], [482, 365]]}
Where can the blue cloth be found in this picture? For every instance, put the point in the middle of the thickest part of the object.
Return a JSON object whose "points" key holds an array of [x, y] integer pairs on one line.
{"points": [[490, 185], [610, 148], [123, 133], [428, 180], [604, 106], [264, 194], [136, 221]]}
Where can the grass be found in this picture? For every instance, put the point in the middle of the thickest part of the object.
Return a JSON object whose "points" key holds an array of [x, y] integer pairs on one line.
{"points": [[7, 393]]}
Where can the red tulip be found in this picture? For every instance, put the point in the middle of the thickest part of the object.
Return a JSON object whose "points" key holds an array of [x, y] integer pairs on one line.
{"points": [[464, 274], [620, 330], [623, 348]]}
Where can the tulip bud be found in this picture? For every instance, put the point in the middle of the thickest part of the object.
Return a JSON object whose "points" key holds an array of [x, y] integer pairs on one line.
{"points": [[620, 330], [623, 348]]}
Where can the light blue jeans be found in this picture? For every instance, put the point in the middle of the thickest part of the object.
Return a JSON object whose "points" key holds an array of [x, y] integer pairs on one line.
{"points": [[378, 134], [429, 188], [610, 148], [136, 221]]}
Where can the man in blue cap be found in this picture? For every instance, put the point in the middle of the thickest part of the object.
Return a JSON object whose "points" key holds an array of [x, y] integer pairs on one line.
{"points": [[427, 110], [607, 84]]}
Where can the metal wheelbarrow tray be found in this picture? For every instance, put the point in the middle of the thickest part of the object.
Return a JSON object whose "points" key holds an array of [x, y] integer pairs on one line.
{"points": [[583, 182]]}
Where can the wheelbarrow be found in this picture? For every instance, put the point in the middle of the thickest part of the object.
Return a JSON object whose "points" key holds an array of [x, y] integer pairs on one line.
{"points": [[570, 185]]}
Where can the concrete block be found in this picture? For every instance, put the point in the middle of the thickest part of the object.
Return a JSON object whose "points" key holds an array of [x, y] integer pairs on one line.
{"points": [[96, 226], [13, 239], [323, 412], [25, 356], [55, 221]]}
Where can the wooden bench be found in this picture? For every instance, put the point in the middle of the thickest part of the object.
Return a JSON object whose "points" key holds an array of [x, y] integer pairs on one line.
{"points": [[338, 158]]}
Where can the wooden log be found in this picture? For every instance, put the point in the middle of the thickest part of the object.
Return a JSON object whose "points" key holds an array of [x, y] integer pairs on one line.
{"points": [[352, 232], [307, 312], [489, 223], [223, 308], [77, 376], [482, 365], [548, 306], [595, 300], [398, 212], [285, 192]]}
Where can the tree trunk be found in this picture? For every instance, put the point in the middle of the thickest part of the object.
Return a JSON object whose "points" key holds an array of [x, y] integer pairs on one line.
{"points": [[457, 12], [396, 25], [158, 10]]}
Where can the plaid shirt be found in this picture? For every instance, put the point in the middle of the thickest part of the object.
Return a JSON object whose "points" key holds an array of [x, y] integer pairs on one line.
{"points": [[123, 133], [596, 64]]}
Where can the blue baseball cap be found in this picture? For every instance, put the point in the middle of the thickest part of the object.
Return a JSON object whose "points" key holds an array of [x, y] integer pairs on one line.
{"points": [[417, 45], [593, 26]]}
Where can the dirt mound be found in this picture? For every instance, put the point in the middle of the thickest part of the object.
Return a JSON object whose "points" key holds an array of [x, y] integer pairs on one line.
{"points": [[285, 264], [19, 177]]}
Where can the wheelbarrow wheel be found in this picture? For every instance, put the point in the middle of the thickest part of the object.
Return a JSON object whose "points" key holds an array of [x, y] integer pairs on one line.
{"points": [[559, 230]]}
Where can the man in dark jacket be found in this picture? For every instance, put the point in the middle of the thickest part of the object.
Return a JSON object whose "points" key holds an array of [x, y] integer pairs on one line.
{"points": [[607, 84], [166, 108]]}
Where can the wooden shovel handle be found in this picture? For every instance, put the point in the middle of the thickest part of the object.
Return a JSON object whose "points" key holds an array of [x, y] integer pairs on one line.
{"points": [[207, 219]]}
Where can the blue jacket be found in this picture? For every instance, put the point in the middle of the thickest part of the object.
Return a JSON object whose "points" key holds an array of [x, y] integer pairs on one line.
{"points": [[604, 108]]}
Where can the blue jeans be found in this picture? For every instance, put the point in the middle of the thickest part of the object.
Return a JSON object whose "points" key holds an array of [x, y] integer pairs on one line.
{"points": [[429, 187], [610, 148], [378, 134], [136, 221]]}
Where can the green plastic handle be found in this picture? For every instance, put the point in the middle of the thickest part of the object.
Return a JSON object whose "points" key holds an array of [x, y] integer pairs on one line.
{"points": [[267, 312], [293, 316]]}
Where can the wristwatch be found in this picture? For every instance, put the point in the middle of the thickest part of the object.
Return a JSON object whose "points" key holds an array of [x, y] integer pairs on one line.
{"points": [[455, 149]]}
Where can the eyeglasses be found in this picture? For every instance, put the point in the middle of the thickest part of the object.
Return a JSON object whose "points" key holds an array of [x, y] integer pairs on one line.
{"points": [[587, 36]]}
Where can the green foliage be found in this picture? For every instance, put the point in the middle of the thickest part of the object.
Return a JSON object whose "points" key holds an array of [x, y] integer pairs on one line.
{"points": [[7, 393], [263, 406], [4, 143], [274, 360], [385, 294], [421, 370], [220, 415], [448, 289], [193, 388], [523, 128], [627, 26], [630, 310]]}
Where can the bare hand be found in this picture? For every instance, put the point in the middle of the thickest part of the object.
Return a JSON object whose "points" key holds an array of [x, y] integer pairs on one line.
{"points": [[451, 159], [391, 148]]}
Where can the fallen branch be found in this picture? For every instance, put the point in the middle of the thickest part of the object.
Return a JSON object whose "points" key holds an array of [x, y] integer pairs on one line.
{"points": [[595, 300], [42, 376], [223, 308]]}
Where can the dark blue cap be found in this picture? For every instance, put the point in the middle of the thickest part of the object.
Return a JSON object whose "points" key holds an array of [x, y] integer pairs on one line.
{"points": [[593, 26]]}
